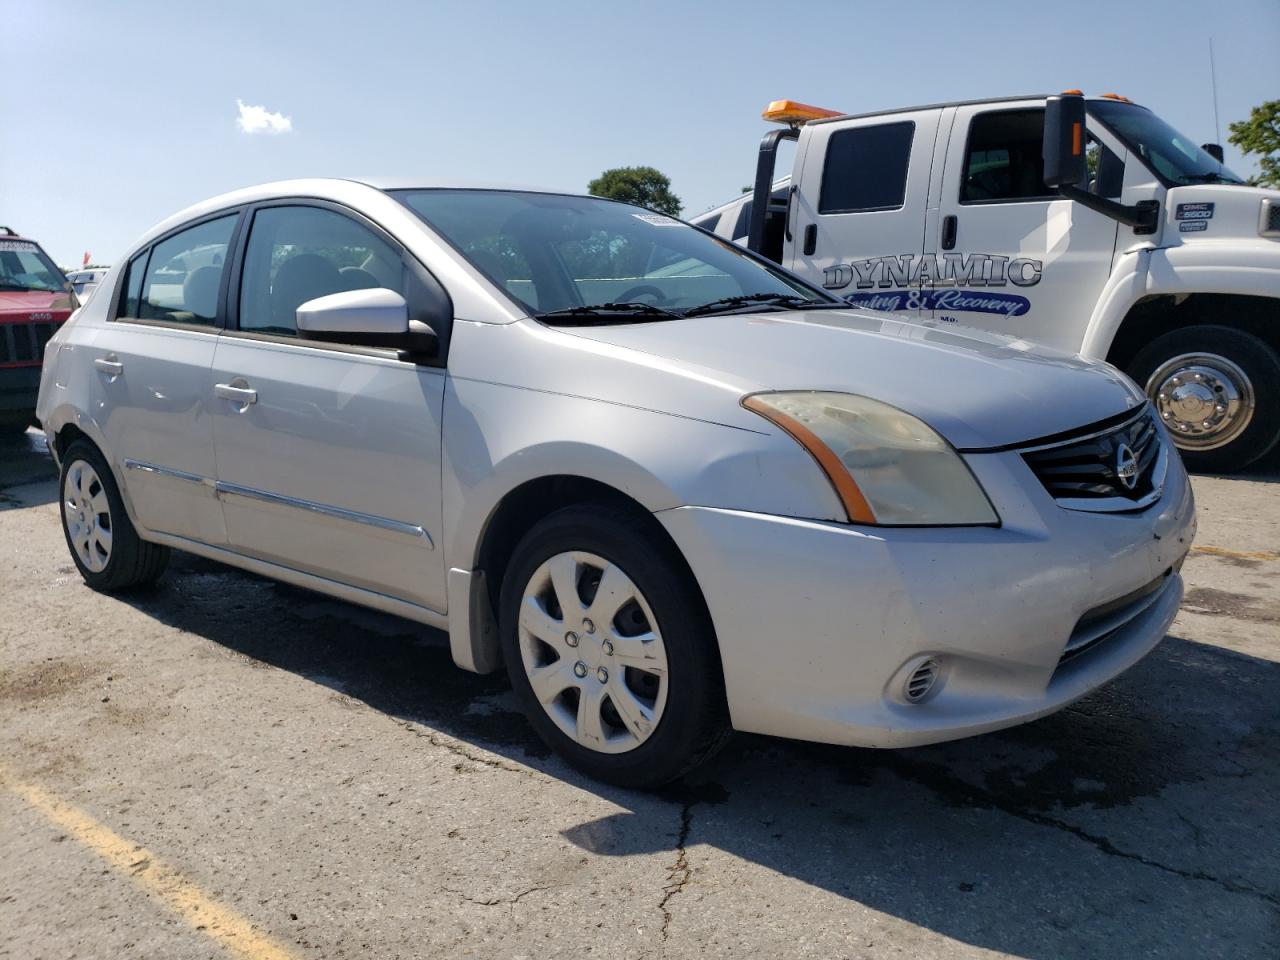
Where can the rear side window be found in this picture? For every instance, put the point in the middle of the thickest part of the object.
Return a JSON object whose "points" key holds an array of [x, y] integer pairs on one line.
{"points": [[866, 168], [1003, 161], [185, 274], [133, 285], [296, 254]]}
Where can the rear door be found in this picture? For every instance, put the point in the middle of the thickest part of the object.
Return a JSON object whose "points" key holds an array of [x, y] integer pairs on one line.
{"points": [[858, 215], [1011, 255], [152, 375], [328, 454]]}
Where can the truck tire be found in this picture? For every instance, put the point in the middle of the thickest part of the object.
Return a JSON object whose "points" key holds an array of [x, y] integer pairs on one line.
{"points": [[1217, 389], [610, 649], [103, 542]]}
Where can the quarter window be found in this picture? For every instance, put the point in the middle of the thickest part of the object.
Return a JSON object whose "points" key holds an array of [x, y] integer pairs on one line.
{"points": [[185, 274], [133, 286], [866, 168], [296, 254]]}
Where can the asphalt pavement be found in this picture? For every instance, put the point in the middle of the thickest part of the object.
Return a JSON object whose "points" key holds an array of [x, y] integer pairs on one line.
{"points": [[225, 766]]}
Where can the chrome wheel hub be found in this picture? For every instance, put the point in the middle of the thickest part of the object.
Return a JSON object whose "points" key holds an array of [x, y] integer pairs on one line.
{"points": [[591, 648], [1205, 400], [87, 514]]}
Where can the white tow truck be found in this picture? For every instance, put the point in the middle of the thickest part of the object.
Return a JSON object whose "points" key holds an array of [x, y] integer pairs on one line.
{"points": [[1088, 224]]}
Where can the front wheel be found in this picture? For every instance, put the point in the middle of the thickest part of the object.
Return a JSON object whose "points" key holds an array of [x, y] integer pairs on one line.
{"points": [[1217, 390], [610, 649]]}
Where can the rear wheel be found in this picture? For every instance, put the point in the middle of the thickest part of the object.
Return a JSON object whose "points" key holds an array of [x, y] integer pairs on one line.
{"points": [[103, 542], [610, 649], [1217, 389]]}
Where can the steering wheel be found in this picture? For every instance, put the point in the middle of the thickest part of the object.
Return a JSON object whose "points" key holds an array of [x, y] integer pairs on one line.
{"points": [[643, 290]]}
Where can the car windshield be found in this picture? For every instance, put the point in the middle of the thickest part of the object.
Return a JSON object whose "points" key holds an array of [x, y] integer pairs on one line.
{"points": [[581, 256], [1174, 157], [24, 266]]}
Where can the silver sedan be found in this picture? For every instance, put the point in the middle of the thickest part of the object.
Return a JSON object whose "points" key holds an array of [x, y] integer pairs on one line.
{"points": [[671, 488]]}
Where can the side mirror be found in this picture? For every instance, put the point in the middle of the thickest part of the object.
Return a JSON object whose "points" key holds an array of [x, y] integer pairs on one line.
{"points": [[1064, 141], [1214, 150], [377, 311]]}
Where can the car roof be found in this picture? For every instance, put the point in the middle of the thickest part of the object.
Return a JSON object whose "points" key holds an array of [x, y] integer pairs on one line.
{"points": [[322, 188], [950, 103]]}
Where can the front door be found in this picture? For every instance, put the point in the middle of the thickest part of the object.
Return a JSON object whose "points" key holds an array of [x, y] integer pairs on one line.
{"points": [[858, 216], [1010, 254], [328, 455]]}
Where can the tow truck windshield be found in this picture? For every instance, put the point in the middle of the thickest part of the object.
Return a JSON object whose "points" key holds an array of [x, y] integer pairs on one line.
{"points": [[24, 266], [1174, 157], [578, 260]]}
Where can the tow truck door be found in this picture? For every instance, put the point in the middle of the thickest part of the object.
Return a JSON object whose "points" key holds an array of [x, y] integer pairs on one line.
{"points": [[1010, 254], [858, 214]]}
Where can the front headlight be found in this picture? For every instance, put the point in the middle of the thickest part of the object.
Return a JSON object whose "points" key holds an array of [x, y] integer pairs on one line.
{"points": [[887, 467]]}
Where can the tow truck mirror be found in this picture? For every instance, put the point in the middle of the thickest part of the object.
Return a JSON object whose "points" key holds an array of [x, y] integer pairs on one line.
{"points": [[1064, 141], [1214, 150]]}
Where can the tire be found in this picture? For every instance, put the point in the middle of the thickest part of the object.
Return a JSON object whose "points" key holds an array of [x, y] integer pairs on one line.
{"points": [[687, 720], [103, 542], [1233, 366]]}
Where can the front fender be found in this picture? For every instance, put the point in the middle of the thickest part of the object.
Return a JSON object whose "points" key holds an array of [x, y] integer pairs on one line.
{"points": [[1236, 266], [498, 437]]}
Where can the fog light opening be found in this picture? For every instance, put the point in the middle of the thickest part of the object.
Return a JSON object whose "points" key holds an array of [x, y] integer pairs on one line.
{"points": [[921, 681]]}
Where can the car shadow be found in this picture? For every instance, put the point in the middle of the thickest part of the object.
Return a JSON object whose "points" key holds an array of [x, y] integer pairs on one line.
{"points": [[1142, 816]]}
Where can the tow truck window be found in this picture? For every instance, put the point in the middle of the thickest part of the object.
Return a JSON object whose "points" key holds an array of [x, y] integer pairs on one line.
{"points": [[1003, 161], [866, 168]]}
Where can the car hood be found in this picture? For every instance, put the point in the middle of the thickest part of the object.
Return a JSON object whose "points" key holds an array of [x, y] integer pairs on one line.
{"points": [[28, 301], [977, 389]]}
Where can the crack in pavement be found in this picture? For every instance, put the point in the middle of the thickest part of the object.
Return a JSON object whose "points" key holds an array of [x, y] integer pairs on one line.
{"points": [[494, 901], [678, 874], [960, 791], [456, 748]]}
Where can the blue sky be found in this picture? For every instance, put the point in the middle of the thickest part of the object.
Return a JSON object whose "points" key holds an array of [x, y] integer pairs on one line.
{"points": [[115, 115]]}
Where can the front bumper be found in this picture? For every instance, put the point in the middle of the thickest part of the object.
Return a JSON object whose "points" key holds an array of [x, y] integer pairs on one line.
{"points": [[820, 623]]}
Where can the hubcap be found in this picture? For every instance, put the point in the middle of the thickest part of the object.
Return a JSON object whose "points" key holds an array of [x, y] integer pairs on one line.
{"points": [[1205, 400], [608, 688], [87, 514]]}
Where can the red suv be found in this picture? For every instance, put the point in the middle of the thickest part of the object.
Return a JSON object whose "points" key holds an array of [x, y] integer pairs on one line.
{"points": [[35, 299]]}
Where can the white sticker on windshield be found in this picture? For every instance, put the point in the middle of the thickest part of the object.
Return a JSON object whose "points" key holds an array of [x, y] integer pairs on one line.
{"points": [[18, 246], [657, 219]]}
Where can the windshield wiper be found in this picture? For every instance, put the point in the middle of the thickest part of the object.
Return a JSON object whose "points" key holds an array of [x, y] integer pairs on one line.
{"points": [[789, 300], [608, 313]]}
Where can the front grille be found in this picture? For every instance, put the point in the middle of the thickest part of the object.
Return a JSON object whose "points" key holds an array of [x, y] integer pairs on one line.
{"points": [[1105, 466], [1104, 622], [22, 344]]}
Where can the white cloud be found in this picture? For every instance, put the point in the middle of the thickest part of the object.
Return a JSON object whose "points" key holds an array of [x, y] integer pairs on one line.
{"points": [[261, 120]]}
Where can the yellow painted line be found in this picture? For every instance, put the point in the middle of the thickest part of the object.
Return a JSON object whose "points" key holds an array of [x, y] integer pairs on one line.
{"points": [[1237, 554], [148, 871]]}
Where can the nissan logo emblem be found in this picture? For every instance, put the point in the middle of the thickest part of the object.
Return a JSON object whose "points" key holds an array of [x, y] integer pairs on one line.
{"points": [[1126, 466]]}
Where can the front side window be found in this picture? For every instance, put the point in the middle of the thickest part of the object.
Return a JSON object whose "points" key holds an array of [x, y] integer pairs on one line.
{"points": [[866, 168], [184, 274], [554, 253], [1004, 160], [296, 254], [25, 267]]}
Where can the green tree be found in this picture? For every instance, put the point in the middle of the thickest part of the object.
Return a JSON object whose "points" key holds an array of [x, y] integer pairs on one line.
{"points": [[643, 186], [1260, 134]]}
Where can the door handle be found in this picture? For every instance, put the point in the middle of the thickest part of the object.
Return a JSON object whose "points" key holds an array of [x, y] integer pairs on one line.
{"points": [[109, 365], [244, 396], [950, 227], [810, 239]]}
